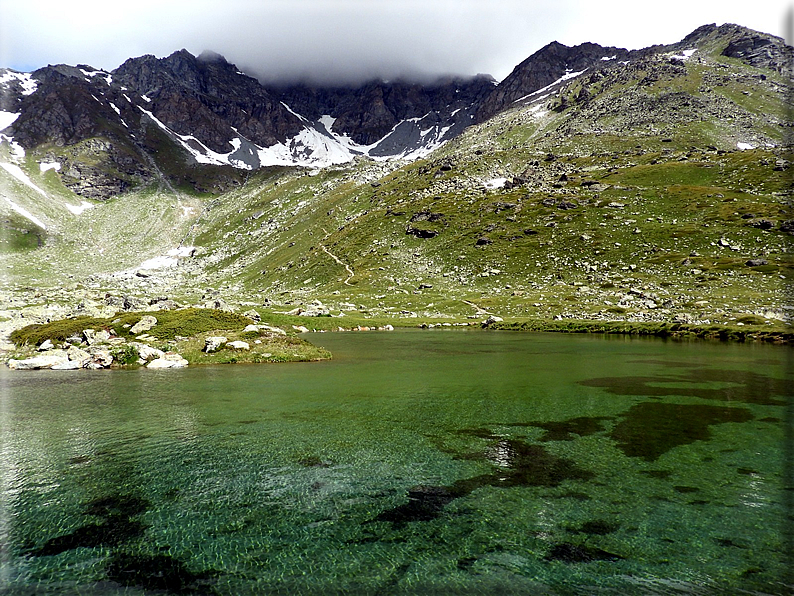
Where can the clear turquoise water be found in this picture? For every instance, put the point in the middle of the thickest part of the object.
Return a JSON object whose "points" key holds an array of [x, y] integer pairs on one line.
{"points": [[417, 462]]}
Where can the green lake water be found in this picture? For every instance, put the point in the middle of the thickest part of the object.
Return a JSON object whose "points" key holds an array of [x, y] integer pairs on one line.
{"points": [[415, 462]]}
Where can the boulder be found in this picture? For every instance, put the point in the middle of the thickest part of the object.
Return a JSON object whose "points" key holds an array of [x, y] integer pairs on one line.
{"points": [[491, 320], [756, 262], [253, 315], [132, 303], [251, 328], [75, 354], [94, 337], [213, 343], [46, 345], [270, 329], [168, 360], [99, 358], [147, 352], [218, 304], [145, 324], [239, 345], [68, 365]]}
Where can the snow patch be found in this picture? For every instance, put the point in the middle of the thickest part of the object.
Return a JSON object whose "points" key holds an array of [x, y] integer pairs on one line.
{"points": [[17, 151], [294, 113], [495, 183], [327, 121], [49, 165], [167, 260], [569, 74], [144, 98], [7, 119], [28, 83], [78, 209], [743, 146], [685, 55], [17, 173], [100, 73], [24, 212], [115, 109], [606, 58], [206, 156]]}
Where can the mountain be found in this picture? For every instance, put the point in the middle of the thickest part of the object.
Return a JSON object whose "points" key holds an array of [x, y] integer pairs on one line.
{"points": [[207, 112], [650, 185]]}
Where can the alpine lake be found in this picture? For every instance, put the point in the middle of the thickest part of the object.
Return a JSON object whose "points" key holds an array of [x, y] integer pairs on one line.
{"points": [[414, 462]]}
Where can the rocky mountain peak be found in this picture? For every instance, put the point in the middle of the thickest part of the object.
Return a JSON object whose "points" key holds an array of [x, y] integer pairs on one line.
{"points": [[543, 68]]}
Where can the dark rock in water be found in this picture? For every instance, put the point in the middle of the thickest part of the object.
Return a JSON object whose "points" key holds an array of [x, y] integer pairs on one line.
{"points": [[572, 553], [658, 474], [158, 572], [117, 527], [566, 429], [758, 389], [516, 464], [685, 489], [466, 563], [314, 462], [424, 503], [598, 527], [651, 429]]}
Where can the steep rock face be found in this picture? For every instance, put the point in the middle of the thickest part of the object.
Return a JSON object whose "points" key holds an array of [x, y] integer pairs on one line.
{"points": [[86, 116], [543, 68], [761, 51], [368, 112], [62, 111], [206, 97]]}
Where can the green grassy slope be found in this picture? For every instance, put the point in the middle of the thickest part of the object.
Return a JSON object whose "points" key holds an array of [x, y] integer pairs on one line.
{"points": [[630, 202]]}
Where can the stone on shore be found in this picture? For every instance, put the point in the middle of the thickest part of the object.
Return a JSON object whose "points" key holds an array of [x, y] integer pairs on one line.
{"points": [[211, 344], [47, 360], [168, 360]]}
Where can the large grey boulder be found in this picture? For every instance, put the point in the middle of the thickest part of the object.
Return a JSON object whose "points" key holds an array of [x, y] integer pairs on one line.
{"points": [[47, 360], [100, 358], [168, 360], [146, 323], [147, 352], [213, 343], [81, 357], [94, 337]]}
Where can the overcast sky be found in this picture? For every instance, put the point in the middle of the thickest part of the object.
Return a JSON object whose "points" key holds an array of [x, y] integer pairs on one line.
{"points": [[353, 39]]}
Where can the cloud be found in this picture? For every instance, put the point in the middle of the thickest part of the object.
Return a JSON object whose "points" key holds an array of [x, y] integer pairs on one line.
{"points": [[333, 40]]}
